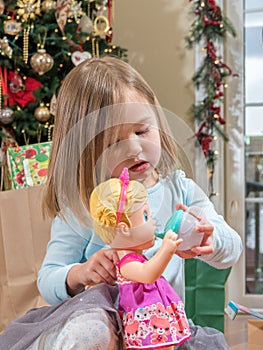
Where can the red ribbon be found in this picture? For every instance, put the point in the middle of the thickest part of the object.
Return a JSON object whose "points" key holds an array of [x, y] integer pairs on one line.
{"points": [[109, 11], [3, 73]]}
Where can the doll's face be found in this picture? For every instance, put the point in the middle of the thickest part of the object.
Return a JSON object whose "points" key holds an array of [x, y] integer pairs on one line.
{"points": [[140, 235], [142, 217]]}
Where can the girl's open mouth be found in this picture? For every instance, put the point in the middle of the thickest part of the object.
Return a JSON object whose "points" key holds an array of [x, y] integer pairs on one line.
{"points": [[140, 166]]}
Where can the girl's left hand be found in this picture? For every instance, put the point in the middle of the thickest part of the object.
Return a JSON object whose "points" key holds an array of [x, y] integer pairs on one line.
{"points": [[207, 245]]}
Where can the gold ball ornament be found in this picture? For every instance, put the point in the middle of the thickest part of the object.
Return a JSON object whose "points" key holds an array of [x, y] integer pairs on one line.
{"points": [[48, 5], [42, 114], [6, 115], [41, 62]]}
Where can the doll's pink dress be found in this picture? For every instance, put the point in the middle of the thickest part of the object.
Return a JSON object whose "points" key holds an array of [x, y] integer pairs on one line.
{"points": [[153, 314]]}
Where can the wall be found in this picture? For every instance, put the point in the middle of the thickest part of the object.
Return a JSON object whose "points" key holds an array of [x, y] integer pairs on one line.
{"points": [[154, 33]]}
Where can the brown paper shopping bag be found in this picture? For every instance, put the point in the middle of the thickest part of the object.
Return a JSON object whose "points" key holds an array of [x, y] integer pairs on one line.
{"points": [[23, 238]]}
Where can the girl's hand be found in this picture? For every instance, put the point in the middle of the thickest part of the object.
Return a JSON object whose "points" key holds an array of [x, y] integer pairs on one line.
{"points": [[100, 268], [170, 242], [206, 246]]}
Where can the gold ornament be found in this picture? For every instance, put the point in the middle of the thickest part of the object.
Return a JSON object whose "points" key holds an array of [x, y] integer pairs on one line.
{"points": [[101, 26], [75, 10], [25, 43], [5, 48], [28, 9], [53, 105], [42, 114], [41, 62], [12, 27], [6, 116], [48, 5]]}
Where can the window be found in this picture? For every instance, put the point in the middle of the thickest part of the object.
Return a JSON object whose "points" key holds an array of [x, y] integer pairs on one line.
{"points": [[253, 132]]}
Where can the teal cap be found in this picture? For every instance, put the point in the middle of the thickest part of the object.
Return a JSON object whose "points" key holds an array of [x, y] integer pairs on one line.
{"points": [[172, 224]]}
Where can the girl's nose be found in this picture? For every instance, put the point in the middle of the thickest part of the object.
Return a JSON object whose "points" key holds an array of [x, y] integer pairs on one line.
{"points": [[134, 147]]}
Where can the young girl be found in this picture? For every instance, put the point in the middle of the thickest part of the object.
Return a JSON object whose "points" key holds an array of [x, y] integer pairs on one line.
{"points": [[153, 314], [108, 118]]}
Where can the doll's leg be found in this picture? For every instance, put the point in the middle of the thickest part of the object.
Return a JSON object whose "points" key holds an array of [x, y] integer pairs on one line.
{"points": [[90, 329]]}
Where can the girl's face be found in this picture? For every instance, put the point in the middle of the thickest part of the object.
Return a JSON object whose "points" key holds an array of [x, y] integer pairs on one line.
{"points": [[137, 145]]}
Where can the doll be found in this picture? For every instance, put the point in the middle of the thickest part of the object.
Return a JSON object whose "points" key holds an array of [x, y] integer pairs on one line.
{"points": [[153, 314]]}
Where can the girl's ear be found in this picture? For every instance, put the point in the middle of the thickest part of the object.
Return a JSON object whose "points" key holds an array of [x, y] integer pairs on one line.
{"points": [[123, 228]]}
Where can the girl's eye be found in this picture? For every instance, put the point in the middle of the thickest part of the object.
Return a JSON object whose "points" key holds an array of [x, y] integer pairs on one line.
{"points": [[143, 131], [145, 216]]}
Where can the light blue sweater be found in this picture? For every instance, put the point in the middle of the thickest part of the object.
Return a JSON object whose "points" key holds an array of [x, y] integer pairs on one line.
{"points": [[71, 243]]}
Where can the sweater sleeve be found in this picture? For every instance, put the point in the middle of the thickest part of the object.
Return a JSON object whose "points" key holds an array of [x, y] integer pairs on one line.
{"points": [[227, 242], [66, 248]]}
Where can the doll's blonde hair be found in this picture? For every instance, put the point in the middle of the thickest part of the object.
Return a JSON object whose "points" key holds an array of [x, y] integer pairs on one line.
{"points": [[104, 203]]}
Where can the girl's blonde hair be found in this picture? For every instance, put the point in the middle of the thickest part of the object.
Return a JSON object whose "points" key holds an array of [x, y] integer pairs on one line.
{"points": [[104, 204], [82, 132]]}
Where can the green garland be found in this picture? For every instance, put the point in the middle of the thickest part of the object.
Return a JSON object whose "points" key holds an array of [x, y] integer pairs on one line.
{"points": [[209, 28]]}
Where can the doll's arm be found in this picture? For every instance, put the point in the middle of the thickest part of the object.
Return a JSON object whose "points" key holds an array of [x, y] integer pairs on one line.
{"points": [[152, 269]]}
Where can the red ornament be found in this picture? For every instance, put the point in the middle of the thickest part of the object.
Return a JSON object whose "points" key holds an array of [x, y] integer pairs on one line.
{"points": [[16, 83], [22, 97]]}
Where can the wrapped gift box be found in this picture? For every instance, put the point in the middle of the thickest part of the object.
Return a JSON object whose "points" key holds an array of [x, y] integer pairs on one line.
{"points": [[28, 164]]}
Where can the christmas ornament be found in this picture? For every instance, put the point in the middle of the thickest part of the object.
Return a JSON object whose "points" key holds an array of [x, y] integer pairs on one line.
{"points": [[6, 116], [75, 10], [28, 9], [2, 6], [50, 132], [5, 48], [101, 26], [53, 105], [78, 57], [86, 24], [41, 62], [12, 27], [42, 114], [24, 96], [48, 5], [62, 13], [16, 83], [101, 5]]}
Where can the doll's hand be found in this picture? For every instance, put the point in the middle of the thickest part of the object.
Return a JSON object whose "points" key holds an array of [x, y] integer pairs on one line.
{"points": [[206, 246], [170, 241], [100, 268]]}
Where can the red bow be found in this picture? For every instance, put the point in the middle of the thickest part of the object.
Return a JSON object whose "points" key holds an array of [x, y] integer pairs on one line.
{"points": [[25, 96]]}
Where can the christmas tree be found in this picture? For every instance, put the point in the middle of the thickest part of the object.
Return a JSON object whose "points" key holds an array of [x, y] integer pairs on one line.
{"points": [[40, 42]]}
